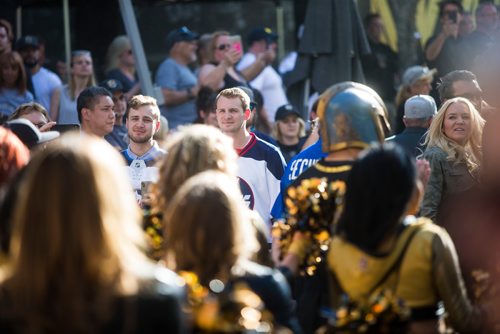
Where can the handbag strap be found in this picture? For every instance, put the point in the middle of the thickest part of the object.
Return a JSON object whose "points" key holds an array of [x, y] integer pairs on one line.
{"points": [[399, 259]]}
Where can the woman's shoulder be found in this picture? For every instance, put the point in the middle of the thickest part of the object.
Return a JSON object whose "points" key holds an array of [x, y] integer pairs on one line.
{"points": [[426, 229], [435, 152]]}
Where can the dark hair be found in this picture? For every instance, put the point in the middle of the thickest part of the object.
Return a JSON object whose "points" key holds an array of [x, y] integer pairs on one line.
{"points": [[443, 3], [205, 101], [445, 85], [379, 188], [369, 17], [89, 97]]}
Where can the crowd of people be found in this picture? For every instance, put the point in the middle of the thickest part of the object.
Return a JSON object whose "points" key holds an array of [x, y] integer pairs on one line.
{"points": [[225, 210]]}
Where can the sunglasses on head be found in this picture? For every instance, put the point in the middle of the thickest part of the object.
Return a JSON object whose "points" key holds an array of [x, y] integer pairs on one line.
{"points": [[78, 53]]}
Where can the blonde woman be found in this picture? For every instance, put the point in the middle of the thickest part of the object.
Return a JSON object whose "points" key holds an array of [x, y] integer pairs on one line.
{"points": [[453, 151], [63, 109], [192, 150], [76, 264], [208, 233], [416, 80], [120, 65]]}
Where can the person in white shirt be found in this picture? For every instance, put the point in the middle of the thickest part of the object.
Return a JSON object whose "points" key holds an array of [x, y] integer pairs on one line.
{"points": [[268, 82]]}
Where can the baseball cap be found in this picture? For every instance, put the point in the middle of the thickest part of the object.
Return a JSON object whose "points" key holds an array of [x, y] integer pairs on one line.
{"points": [[260, 33], [27, 41], [420, 106], [417, 72], [284, 111], [29, 133], [180, 35], [250, 94], [112, 85]]}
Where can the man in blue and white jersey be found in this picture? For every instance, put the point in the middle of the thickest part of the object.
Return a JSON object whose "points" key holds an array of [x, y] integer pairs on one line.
{"points": [[260, 164]]}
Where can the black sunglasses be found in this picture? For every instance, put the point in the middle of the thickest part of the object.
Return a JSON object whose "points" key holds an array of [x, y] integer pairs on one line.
{"points": [[223, 47]]}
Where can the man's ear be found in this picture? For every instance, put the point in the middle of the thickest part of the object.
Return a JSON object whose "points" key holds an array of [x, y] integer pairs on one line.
{"points": [[85, 113], [158, 125], [247, 114]]}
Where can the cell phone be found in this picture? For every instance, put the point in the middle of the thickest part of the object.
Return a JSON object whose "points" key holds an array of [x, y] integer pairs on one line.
{"points": [[65, 127], [452, 15], [236, 43]]}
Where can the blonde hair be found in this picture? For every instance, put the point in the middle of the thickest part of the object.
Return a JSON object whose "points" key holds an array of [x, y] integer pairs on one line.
{"points": [[28, 108], [90, 82], [235, 93], [191, 150], [207, 230], [119, 45], [404, 92], [276, 132], [213, 44], [470, 153], [81, 250]]}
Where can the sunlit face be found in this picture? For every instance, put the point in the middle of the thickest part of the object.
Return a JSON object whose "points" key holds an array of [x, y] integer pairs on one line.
{"points": [[127, 57], [289, 126], [422, 87], [142, 124], [457, 123], [186, 50], [230, 115], [10, 73], [101, 119], [221, 47], [35, 117], [82, 65]]}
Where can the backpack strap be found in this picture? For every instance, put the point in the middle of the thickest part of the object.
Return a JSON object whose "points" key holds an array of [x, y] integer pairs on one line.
{"points": [[409, 237]]}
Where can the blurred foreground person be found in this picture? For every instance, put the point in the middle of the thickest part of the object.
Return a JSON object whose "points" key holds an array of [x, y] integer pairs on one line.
{"points": [[210, 239], [386, 258], [76, 265]]}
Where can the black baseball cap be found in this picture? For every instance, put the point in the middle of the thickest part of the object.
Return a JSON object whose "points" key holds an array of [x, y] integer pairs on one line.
{"points": [[27, 41], [112, 85], [284, 111], [180, 35], [261, 33]]}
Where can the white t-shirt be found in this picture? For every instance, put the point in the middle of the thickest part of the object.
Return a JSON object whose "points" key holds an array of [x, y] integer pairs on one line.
{"points": [[44, 82], [269, 83]]}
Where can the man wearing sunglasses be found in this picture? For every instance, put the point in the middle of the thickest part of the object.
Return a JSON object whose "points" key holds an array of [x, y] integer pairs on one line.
{"points": [[179, 84], [464, 84]]}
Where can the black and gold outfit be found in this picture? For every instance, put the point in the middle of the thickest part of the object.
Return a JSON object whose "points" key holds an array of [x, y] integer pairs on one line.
{"points": [[429, 273]]}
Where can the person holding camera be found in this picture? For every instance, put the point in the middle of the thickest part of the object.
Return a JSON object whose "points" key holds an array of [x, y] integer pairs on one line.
{"points": [[443, 50]]}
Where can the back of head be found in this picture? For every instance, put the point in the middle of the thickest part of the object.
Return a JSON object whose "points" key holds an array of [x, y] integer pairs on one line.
{"points": [[379, 188], [71, 244], [205, 226], [352, 115], [89, 97], [192, 150]]}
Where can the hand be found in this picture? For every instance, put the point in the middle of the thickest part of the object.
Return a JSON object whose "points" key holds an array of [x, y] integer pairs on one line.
{"points": [[47, 127], [231, 57], [423, 171], [267, 56], [450, 29]]}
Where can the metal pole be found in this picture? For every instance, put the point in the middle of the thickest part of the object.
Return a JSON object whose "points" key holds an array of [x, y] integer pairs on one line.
{"points": [[67, 39], [280, 29], [130, 23], [19, 22]]}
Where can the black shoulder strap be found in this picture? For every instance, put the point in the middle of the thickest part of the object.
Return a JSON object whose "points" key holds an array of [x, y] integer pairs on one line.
{"points": [[398, 261]]}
